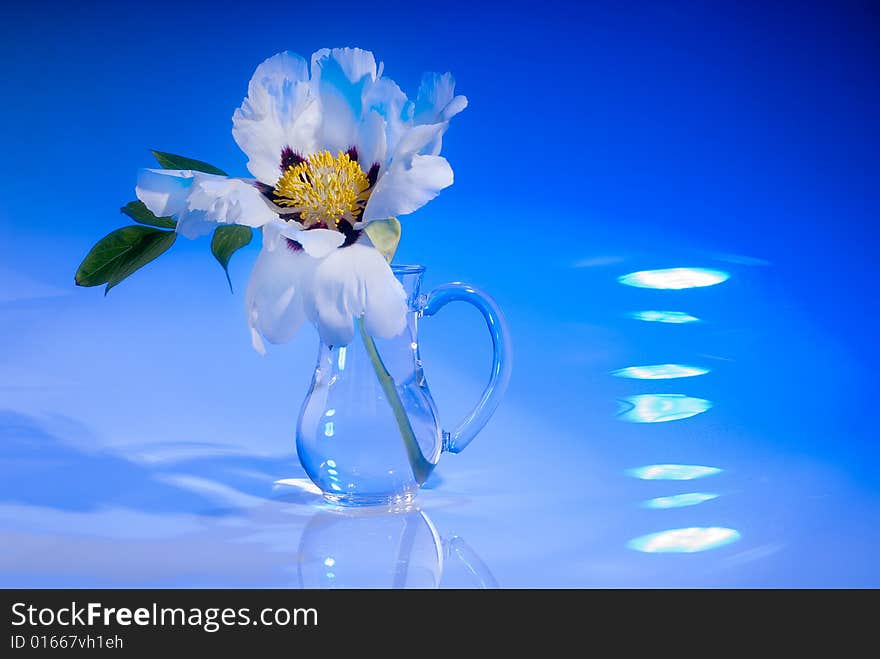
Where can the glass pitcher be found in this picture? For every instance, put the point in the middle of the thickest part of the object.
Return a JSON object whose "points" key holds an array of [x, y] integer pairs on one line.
{"points": [[368, 431]]}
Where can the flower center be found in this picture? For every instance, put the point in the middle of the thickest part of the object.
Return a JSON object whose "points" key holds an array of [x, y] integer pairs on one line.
{"points": [[324, 189]]}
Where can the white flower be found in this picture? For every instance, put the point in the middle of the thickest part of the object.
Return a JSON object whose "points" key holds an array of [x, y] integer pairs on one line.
{"points": [[288, 286], [332, 146]]}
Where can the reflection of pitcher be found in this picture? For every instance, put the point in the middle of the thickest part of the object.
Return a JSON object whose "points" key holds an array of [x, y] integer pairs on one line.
{"points": [[377, 548], [368, 431]]}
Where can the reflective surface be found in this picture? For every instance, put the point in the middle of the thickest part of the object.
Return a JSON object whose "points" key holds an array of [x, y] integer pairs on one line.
{"points": [[597, 496]]}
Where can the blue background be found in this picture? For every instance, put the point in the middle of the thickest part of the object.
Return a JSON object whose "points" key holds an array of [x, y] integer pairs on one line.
{"points": [[140, 432]]}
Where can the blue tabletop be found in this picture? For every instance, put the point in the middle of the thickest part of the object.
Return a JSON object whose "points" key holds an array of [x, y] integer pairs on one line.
{"points": [[145, 445]]}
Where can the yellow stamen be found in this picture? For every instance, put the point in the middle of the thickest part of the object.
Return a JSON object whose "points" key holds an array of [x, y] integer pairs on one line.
{"points": [[324, 189]]}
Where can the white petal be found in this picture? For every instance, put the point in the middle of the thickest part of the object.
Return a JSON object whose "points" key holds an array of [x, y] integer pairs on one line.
{"points": [[353, 63], [275, 231], [386, 304], [200, 201], [280, 110], [455, 106], [336, 298], [413, 178], [372, 141], [419, 140], [229, 201], [164, 191], [436, 101], [342, 78], [339, 122], [275, 295], [318, 243], [406, 189], [352, 282], [194, 224], [388, 100]]}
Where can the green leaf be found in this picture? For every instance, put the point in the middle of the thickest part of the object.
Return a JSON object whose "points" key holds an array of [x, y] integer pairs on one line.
{"points": [[227, 240], [120, 253], [171, 161], [138, 211], [385, 236], [150, 247]]}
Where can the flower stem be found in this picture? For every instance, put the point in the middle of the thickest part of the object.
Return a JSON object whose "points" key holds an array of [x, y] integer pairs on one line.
{"points": [[421, 468]]}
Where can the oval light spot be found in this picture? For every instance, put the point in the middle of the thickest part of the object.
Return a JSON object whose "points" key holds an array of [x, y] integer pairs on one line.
{"points": [[674, 278], [679, 500], [659, 372], [673, 472], [686, 541], [658, 408], [673, 317]]}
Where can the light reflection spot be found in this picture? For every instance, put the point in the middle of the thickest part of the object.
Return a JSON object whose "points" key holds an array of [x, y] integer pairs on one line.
{"points": [[673, 472], [679, 500], [685, 541], [674, 278], [340, 361], [658, 408], [675, 317], [659, 372], [303, 484]]}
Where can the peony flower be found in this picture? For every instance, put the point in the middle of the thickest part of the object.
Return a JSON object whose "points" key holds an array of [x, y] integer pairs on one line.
{"points": [[331, 147]]}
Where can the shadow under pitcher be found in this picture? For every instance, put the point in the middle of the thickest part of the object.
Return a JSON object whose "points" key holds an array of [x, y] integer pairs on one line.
{"points": [[368, 431]]}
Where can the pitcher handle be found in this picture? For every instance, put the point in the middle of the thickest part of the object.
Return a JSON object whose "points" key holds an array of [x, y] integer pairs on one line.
{"points": [[483, 576], [499, 378]]}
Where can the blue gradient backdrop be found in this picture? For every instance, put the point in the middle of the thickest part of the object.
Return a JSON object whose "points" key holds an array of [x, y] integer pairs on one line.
{"points": [[601, 138]]}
